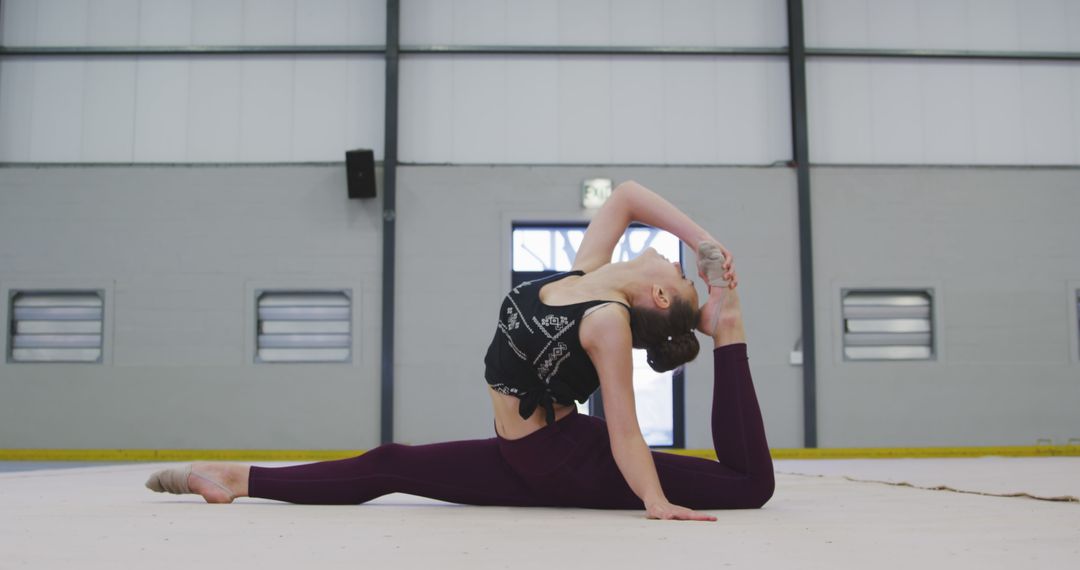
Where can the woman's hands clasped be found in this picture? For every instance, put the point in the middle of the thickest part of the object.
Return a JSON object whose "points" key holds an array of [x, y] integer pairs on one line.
{"points": [[716, 264], [664, 510]]}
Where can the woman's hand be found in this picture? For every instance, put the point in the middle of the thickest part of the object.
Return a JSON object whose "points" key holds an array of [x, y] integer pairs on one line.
{"points": [[728, 265], [664, 510]]}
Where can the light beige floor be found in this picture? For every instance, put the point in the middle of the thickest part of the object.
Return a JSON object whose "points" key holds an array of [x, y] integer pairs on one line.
{"points": [[103, 517]]}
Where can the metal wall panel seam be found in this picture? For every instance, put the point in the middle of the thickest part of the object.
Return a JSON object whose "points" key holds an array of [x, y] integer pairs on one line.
{"points": [[801, 153], [386, 431], [69, 51]]}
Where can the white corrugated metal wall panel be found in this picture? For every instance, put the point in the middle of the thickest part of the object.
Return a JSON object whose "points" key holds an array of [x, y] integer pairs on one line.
{"points": [[178, 109], [1004, 25], [595, 22], [594, 109], [224, 109], [865, 111], [193, 22]]}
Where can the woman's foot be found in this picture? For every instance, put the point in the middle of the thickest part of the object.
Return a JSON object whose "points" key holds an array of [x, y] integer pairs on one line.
{"points": [[215, 482], [713, 266], [721, 317]]}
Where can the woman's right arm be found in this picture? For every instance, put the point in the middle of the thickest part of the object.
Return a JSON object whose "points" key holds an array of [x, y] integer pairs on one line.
{"points": [[605, 336], [632, 202]]}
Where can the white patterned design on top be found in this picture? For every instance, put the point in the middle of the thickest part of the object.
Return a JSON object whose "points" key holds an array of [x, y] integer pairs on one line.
{"points": [[510, 342], [547, 360], [509, 390], [518, 309], [512, 321], [566, 324], [558, 353]]}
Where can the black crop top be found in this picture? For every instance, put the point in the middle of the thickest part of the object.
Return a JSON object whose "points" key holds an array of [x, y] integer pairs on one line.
{"points": [[536, 354]]}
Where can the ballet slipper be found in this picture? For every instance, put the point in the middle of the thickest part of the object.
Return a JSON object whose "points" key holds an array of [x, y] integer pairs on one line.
{"points": [[710, 262], [175, 481]]}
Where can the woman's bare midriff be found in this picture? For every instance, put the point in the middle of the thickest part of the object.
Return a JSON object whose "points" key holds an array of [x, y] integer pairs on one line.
{"points": [[508, 422]]}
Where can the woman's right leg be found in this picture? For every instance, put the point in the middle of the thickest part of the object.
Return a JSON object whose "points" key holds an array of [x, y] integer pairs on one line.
{"points": [[741, 478]]}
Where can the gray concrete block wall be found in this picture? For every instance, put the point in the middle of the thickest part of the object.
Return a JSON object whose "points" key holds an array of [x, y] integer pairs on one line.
{"points": [[999, 247], [180, 251]]}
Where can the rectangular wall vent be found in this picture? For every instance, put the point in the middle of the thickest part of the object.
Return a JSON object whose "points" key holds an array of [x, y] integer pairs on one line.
{"points": [[888, 325], [304, 326], [56, 326]]}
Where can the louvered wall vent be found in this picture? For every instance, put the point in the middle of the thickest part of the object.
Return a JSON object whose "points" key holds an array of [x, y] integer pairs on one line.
{"points": [[304, 326], [888, 325], [56, 326]]}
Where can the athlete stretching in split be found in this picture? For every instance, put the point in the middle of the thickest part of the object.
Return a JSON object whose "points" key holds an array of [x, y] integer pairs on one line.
{"points": [[557, 340]]}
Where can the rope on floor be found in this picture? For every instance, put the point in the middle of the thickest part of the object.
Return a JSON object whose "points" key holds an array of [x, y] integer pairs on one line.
{"points": [[1062, 498]]}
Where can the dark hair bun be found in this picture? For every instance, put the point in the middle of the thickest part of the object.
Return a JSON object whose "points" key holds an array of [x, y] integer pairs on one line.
{"points": [[672, 353], [668, 336]]}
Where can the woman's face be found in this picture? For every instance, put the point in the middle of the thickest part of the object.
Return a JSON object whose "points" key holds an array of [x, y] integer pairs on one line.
{"points": [[672, 277]]}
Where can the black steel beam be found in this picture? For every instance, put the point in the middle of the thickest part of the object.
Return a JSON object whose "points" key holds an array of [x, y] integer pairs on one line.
{"points": [[77, 51], [944, 54], [130, 51], [801, 153], [591, 50], [386, 432]]}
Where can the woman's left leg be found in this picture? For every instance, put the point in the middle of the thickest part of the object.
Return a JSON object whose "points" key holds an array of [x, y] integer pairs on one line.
{"points": [[492, 471]]}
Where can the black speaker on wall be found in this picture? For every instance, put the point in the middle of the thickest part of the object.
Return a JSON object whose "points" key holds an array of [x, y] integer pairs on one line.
{"points": [[360, 173]]}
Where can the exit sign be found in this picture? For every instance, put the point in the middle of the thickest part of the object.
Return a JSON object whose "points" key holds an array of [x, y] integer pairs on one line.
{"points": [[595, 192]]}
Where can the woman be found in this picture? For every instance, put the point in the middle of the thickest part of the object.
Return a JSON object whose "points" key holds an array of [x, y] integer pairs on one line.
{"points": [[557, 340]]}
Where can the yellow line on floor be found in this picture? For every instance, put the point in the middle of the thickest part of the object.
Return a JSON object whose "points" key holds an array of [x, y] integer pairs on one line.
{"points": [[325, 455]]}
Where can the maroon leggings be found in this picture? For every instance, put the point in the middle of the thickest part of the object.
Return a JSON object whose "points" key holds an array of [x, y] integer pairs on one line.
{"points": [[565, 464]]}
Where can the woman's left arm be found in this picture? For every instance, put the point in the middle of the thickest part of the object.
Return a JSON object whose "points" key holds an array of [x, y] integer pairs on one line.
{"points": [[632, 202], [650, 208]]}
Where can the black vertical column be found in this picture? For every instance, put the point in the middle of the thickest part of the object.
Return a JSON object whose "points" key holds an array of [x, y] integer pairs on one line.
{"points": [[801, 152], [386, 432]]}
